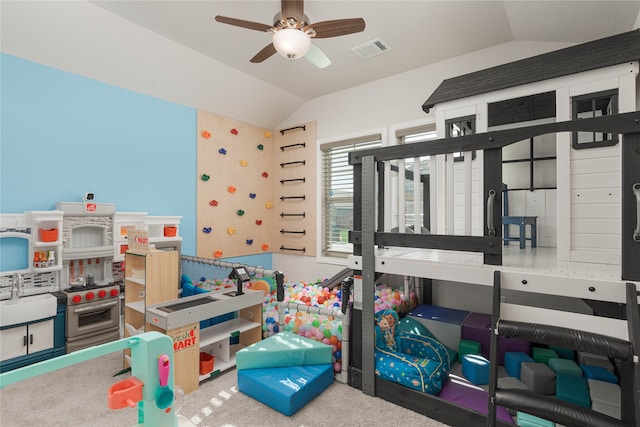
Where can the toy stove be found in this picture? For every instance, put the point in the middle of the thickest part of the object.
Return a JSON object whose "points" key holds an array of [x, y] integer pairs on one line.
{"points": [[93, 315], [93, 300]]}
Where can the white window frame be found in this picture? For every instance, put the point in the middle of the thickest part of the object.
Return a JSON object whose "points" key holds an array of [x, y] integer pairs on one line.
{"points": [[336, 257]]}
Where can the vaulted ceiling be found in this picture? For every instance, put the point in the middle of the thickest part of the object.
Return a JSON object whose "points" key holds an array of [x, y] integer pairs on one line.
{"points": [[417, 33]]}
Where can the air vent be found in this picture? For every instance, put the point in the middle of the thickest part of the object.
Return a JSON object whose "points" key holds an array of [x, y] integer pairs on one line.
{"points": [[372, 48]]}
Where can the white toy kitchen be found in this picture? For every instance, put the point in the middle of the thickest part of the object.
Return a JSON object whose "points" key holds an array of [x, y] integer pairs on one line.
{"points": [[60, 274]]}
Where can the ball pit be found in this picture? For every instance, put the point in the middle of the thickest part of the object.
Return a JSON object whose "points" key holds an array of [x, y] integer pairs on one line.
{"points": [[215, 284], [326, 329], [394, 299], [319, 327]]}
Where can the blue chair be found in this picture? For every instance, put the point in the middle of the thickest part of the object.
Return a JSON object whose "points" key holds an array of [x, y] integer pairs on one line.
{"points": [[521, 221]]}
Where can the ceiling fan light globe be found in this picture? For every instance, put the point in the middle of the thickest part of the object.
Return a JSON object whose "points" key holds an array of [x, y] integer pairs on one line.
{"points": [[291, 43]]}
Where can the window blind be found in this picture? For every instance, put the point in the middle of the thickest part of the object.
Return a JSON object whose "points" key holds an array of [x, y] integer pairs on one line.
{"points": [[337, 192]]}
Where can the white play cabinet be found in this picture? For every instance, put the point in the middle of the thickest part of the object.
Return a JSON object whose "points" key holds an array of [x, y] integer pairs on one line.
{"points": [[181, 319]]}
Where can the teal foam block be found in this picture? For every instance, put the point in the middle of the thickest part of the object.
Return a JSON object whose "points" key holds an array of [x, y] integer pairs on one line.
{"points": [[576, 395], [282, 350], [565, 366], [542, 355], [285, 389], [526, 420], [468, 347], [572, 380], [564, 353]]}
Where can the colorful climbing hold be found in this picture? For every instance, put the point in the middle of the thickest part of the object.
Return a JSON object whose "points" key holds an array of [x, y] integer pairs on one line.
{"points": [[268, 205], [213, 203], [258, 222], [243, 163], [249, 242], [222, 151], [234, 131], [231, 230], [206, 134], [217, 254], [206, 230], [267, 134], [231, 189], [265, 175], [265, 247], [252, 195], [205, 177], [240, 212], [260, 147]]}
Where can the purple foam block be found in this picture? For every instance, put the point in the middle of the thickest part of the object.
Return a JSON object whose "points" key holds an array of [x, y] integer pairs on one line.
{"points": [[477, 327], [462, 393]]}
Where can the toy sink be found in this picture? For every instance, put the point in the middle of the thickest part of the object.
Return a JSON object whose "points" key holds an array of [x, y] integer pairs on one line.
{"points": [[27, 309]]}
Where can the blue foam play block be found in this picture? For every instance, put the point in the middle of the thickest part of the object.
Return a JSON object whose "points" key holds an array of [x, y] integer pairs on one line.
{"points": [[599, 373], [285, 389], [475, 368], [513, 361]]}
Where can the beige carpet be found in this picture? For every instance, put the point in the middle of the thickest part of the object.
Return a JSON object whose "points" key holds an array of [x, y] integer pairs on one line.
{"points": [[77, 396]]}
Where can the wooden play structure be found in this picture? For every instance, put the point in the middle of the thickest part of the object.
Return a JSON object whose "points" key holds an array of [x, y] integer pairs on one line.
{"points": [[585, 264]]}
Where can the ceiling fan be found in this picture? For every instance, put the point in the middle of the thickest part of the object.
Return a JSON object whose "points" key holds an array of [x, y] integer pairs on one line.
{"points": [[292, 33]]}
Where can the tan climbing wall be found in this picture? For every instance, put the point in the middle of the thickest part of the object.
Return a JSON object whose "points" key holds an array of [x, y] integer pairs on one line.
{"points": [[234, 188], [242, 205]]}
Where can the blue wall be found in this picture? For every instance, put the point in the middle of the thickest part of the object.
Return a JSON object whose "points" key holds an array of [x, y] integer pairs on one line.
{"points": [[63, 135]]}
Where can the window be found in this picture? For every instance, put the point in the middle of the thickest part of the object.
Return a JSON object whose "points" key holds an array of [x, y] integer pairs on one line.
{"points": [[337, 192], [459, 127], [594, 105], [410, 136]]}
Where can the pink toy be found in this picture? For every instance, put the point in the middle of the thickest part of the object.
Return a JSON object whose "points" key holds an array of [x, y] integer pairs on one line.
{"points": [[164, 396]]}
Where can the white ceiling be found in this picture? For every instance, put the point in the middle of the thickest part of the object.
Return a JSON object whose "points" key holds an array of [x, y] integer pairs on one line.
{"points": [[419, 33]]}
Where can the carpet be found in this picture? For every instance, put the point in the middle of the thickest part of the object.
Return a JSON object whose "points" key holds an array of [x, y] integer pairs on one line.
{"points": [[77, 396]]}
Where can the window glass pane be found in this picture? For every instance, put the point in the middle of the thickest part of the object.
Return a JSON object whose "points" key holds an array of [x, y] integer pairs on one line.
{"points": [[594, 105], [337, 193], [460, 127], [413, 204]]}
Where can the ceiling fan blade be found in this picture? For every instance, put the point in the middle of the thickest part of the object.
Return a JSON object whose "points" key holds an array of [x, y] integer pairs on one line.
{"points": [[337, 27], [244, 24], [316, 56], [293, 9], [264, 54]]}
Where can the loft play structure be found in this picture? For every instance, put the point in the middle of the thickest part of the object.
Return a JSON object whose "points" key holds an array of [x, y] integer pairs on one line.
{"points": [[558, 136]]}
